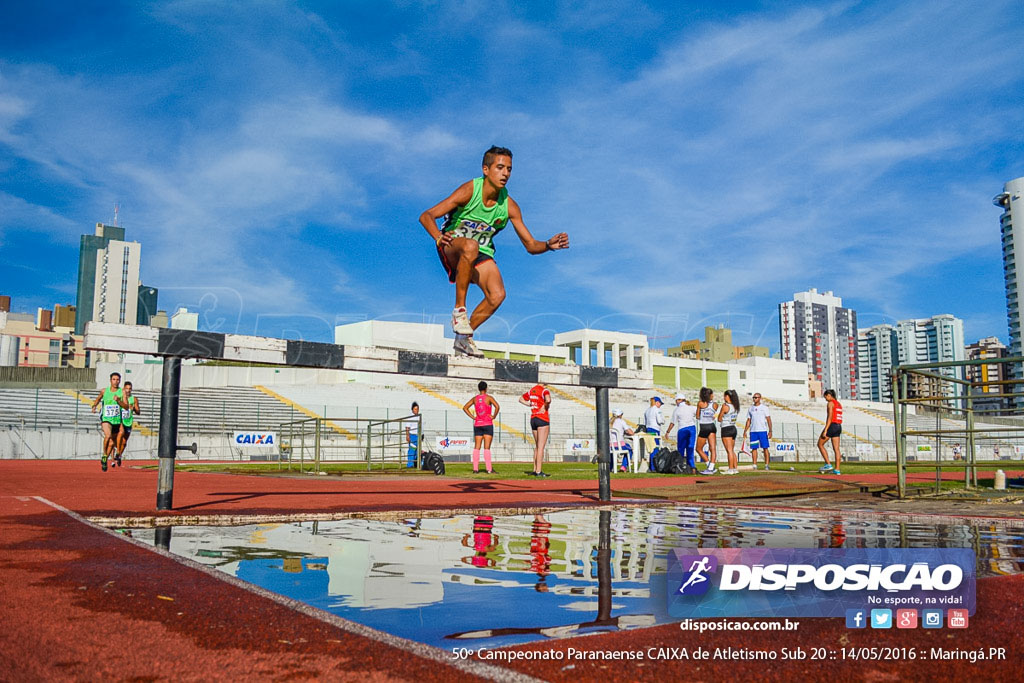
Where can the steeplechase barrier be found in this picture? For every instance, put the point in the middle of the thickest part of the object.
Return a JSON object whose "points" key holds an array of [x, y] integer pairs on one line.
{"points": [[174, 345]]}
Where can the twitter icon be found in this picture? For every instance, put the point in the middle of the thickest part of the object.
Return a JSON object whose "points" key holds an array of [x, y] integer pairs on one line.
{"points": [[881, 618]]}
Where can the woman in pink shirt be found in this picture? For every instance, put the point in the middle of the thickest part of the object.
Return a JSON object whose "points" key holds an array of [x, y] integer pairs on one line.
{"points": [[485, 410]]}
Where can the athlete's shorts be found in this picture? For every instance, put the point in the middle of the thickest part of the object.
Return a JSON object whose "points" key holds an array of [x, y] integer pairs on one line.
{"points": [[114, 428], [483, 430], [448, 267], [759, 440], [706, 430], [834, 430], [127, 431], [729, 432], [537, 423]]}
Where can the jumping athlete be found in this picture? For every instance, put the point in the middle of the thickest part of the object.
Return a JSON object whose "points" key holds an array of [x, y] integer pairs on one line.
{"points": [[485, 409], [539, 400], [129, 409], [833, 428], [110, 418], [474, 213]]}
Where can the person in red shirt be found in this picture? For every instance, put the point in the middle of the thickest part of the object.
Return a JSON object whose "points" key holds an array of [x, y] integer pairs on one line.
{"points": [[833, 428], [539, 399]]}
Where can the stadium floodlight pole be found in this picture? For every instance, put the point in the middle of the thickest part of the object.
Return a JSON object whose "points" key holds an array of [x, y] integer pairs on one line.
{"points": [[604, 456], [168, 443]]}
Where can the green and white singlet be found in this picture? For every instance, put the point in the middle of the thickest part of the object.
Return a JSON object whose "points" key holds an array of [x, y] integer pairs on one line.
{"points": [[128, 416], [478, 222], [110, 410]]}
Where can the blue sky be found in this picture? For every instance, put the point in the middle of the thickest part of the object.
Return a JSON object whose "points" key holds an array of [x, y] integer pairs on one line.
{"points": [[707, 163]]}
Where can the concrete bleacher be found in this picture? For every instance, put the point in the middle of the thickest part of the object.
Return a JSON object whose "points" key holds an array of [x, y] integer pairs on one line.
{"points": [[203, 411]]}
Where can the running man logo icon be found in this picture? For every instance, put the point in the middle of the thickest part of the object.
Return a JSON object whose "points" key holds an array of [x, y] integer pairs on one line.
{"points": [[697, 567]]}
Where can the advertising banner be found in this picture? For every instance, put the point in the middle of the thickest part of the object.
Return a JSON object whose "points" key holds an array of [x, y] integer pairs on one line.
{"points": [[256, 439], [453, 444], [580, 446], [816, 582]]}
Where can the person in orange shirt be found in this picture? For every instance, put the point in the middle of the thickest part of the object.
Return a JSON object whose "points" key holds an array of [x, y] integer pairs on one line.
{"points": [[833, 428], [538, 398]]}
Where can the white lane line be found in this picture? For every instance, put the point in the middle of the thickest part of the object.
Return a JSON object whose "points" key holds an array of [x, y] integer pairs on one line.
{"points": [[481, 669]]}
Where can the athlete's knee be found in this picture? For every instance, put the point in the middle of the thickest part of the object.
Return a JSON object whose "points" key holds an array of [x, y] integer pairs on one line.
{"points": [[469, 250]]}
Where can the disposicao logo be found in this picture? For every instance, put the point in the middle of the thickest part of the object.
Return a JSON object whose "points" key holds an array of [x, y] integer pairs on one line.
{"points": [[804, 582]]}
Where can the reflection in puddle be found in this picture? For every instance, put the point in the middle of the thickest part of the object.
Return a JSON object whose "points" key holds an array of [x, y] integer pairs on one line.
{"points": [[482, 581]]}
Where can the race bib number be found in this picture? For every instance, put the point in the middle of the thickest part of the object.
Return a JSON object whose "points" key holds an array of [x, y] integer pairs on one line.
{"points": [[110, 410], [478, 232], [125, 415]]}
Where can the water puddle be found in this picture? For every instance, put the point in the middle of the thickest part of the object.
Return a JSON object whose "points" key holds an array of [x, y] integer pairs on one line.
{"points": [[478, 581]]}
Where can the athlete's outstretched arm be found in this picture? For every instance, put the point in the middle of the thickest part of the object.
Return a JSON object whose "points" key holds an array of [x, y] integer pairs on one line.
{"points": [[428, 219], [534, 246]]}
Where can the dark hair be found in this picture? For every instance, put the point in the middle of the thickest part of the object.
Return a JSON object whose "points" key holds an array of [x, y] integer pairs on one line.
{"points": [[732, 397], [706, 394], [496, 152], [482, 386], [830, 392], [115, 374], [414, 405], [127, 384]]}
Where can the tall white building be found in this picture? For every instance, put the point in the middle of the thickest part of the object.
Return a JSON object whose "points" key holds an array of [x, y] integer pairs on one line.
{"points": [[116, 284], [815, 329], [926, 340], [1011, 222], [876, 353]]}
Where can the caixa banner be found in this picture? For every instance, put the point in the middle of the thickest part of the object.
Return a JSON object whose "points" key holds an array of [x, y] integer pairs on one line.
{"points": [[256, 439], [805, 582]]}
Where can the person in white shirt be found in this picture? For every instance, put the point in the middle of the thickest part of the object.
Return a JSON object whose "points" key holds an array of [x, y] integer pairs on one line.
{"points": [[653, 419], [412, 435], [707, 429], [759, 426], [684, 416], [727, 415], [619, 431]]}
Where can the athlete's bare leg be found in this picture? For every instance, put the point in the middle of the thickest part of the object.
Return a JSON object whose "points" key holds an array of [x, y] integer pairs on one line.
{"points": [[488, 277], [462, 252], [540, 437]]}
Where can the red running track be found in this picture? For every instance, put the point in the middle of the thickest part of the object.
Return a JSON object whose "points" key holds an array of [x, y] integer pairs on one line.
{"points": [[81, 603]]}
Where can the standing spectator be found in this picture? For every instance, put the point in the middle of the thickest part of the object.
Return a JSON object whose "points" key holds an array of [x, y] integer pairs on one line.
{"points": [[485, 409], [833, 428], [956, 451], [653, 419], [684, 416], [412, 435], [619, 431], [706, 428], [759, 426], [538, 398], [727, 415]]}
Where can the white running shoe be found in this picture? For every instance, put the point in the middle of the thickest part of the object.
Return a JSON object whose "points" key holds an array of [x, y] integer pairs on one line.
{"points": [[710, 469], [460, 322], [464, 346]]}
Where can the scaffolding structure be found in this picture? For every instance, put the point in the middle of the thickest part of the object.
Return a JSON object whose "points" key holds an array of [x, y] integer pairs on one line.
{"points": [[381, 444], [981, 413]]}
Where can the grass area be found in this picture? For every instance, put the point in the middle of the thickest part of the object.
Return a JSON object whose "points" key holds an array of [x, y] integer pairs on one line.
{"points": [[516, 470]]}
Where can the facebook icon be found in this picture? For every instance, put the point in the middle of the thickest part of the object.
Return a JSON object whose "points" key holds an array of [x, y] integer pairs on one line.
{"points": [[856, 618]]}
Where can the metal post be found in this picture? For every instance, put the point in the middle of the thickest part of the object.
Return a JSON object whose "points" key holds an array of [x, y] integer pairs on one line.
{"points": [[969, 455], [604, 455], [162, 537], [604, 565], [168, 441], [316, 447], [901, 439], [35, 423]]}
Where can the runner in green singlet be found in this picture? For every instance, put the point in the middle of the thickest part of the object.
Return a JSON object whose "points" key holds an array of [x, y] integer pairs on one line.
{"points": [[477, 211], [129, 409], [110, 417]]}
